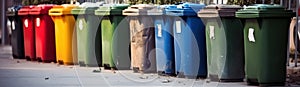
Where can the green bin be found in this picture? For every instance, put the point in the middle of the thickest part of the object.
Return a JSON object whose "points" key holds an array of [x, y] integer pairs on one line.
{"points": [[115, 36], [224, 42], [265, 40], [88, 35]]}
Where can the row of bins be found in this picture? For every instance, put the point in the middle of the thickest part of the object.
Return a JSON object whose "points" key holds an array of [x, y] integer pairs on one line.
{"points": [[223, 42]]}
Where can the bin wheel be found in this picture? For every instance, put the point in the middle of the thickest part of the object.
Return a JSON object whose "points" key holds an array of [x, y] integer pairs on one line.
{"points": [[81, 64], [252, 82], [39, 59], [60, 62], [106, 66], [27, 58], [15, 56], [135, 69]]}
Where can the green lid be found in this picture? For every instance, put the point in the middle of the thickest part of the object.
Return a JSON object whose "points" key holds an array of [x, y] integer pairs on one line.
{"points": [[218, 11], [111, 9], [86, 8], [263, 10]]}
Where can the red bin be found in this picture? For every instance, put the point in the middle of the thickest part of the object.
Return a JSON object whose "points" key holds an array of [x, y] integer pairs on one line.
{"points": [[29, 40], [44, 33]]}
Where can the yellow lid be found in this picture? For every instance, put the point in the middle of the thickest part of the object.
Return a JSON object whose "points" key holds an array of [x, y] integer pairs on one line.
{"points": [[61, 9]]}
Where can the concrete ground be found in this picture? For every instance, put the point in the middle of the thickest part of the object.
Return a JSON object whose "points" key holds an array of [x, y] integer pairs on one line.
{"points": [[22, 73]]}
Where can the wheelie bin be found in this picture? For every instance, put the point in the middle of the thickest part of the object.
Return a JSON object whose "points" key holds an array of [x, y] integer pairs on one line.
{"points": [[115, 36], [265, 40], [29, 35], [44, 33], [88, 40], [189, 40], [164, 41], [142, 40], [17, 39], [224, 43], [65, 35]]}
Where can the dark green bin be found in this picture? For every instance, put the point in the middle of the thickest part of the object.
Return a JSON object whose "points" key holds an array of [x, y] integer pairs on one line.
{"points": [[224, 42], [265, 38]]}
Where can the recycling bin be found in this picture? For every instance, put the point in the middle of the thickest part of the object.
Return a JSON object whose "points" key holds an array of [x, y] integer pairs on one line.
{"points": [[142, 40], [65, 34], [88, 36], [265, 40], [115, 36], [28, 31], [189, 40], [164, 41], [44, 33], [224, 43], [17, 39]]}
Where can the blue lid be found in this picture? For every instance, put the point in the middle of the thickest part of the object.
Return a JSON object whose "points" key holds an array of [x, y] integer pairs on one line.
{"points": [[185, 9]]}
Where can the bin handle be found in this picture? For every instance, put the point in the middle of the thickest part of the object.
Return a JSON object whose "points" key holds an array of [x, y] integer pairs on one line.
{"points": [[129, 12]]}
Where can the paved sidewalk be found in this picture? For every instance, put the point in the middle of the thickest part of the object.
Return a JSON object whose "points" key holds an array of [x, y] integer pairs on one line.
{"points": [[22, 73]]}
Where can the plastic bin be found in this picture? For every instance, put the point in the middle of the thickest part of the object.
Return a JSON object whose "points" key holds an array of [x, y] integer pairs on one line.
{"points": [[115, 36], [28, 29], [65, 35], [142, 38], [44, 33], [88, 40], [224, 43], [265, 39], [164, 41], [189, 39], [17, 39]]}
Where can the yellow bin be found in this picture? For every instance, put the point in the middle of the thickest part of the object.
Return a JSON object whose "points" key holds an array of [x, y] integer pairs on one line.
{"points": [[65, 36]]}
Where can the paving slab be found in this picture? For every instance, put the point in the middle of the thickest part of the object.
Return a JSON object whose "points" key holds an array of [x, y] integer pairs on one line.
{"points": [[22, 73]]}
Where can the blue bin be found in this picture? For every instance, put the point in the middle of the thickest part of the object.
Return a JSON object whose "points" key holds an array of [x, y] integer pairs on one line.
{"points": [[189, 40], [164, 41]]}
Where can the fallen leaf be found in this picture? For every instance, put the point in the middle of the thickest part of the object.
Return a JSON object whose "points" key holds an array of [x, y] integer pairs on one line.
{"points": [[96, 71]]}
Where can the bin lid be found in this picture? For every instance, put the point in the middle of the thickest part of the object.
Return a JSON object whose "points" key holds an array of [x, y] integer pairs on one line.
{"points": [[111, 9], [140, 9], [86, 8], [25, 10], [40, 9], [157, 10], [64, 9], [184, 9], [219, 11], [263, 10], [12, 11]]}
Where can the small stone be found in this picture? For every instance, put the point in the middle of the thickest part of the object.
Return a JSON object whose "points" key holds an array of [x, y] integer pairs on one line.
{"points": [[207, 81], [18, 61], [47, 78], [96, 71], [166, 81], [144, 77]]}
